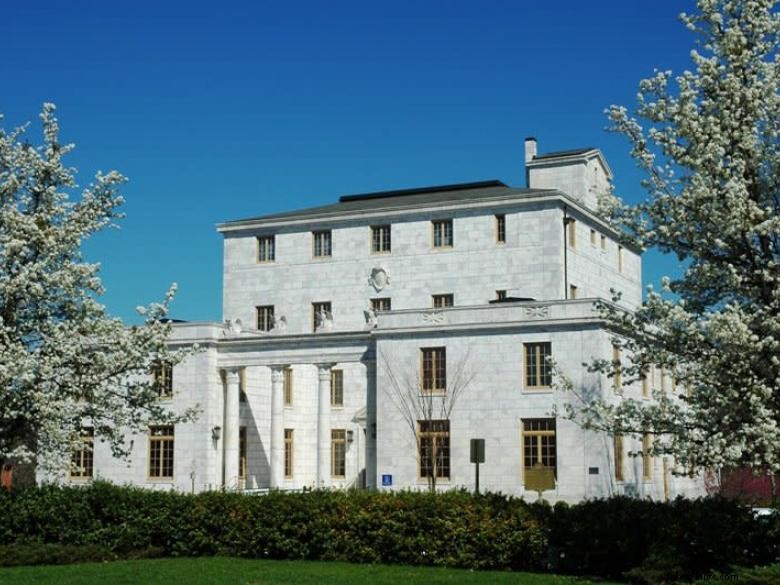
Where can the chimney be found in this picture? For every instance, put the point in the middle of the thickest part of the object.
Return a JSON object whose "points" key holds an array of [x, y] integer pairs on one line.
{"points": [[530, 149]]}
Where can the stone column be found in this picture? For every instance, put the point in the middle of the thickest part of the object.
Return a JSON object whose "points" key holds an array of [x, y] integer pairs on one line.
{"points": [[323, 425], [277, 425], [231, 430]]}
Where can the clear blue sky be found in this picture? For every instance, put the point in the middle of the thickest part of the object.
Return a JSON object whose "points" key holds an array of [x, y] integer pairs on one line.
{"points": [[224, 110]]}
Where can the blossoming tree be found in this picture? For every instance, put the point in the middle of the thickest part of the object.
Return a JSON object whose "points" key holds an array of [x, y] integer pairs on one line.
{"points": [[64, 362], [709, 143]]}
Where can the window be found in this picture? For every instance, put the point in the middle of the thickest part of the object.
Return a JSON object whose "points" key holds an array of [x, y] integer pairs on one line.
{"points": [[380, 304], [434, 369], [619, 457], [380, 239], [265, 317], [593, 238], [572, 223], [538, 372], [82, 459], [617, 378], [321, 244], [572, 291], [603, 242], [442, 233], [288, 453], [501, 229], [337, 388], [338, 452], [321, 315], [442, 301], [161, 452], [647, 460], [434, 441], [242, 452], [539, 453], [162, 378], [266, 249], [662, 379], [620, 258], [288, 387], [500, 295]]}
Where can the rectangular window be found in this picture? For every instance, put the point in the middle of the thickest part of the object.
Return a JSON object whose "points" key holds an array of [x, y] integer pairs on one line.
{"points": [[442, 301], [338, 453], [501, 229], [380, 239], [501, 295], [82, 459], [620, 258], [321, 247], [242, 452], [619, 457], [434, 442], [434, 369], [288, 387], [288, 453], [603, 242], [539, 453], [617, 364], [593, 238], [162, 378], [161, 452], [647, 377], [266, 249], [337, 388], [442, 233], [538, 372], [265, 317], [647, 460], [381, 304], [572, 291], [321, 315], [572, 232]]}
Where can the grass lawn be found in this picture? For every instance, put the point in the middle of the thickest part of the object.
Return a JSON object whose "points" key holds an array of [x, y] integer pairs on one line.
{"points": [[228, 571]]}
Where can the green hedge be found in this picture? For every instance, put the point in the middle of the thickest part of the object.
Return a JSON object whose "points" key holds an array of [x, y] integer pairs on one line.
{"points": [[606, 538]]}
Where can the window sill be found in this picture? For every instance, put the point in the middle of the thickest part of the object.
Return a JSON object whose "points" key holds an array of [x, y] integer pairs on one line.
{"points": [[388, 253], [265, 262], [160, 479], [442, 248], [439, 481], [538, 390]]}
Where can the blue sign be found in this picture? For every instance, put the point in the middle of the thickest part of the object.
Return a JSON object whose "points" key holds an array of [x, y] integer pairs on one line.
{"points": [[387, 480]]}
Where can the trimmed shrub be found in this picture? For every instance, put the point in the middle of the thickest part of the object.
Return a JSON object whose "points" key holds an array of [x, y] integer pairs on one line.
{"points": [[618, 538]]}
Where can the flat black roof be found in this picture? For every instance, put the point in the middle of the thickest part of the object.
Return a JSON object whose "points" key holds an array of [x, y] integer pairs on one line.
{"points": [[421, 190]]}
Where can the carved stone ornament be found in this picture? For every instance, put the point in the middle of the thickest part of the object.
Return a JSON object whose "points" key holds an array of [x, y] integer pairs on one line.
{"points": [[280, 323], [537, 312], [433, 317], [324, 321], [379, 278], [371, 318]]}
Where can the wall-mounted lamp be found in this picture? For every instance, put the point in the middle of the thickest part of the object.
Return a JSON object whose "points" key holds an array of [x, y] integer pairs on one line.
{"points": [[350, 436], [216, 432]]}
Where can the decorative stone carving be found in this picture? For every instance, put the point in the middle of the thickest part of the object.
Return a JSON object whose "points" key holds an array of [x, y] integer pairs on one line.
{"points": [[324, 321], [379, 278], [540, 312], [280, 323], [324, 372], [371, 318], [433, 317], [234, 326]]}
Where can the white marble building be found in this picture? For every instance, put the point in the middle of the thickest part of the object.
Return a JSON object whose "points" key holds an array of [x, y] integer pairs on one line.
{"points": [[323, 307]]}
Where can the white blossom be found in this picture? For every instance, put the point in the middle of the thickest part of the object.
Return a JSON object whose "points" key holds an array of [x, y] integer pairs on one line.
{"points": [[709, 143], [64, 362]]}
